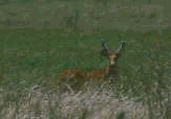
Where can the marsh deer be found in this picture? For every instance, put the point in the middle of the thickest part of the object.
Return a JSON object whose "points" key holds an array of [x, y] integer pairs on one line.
{"points": [[109, 73]]}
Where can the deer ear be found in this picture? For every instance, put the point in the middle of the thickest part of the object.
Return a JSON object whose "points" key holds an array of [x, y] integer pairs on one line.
{"points": [[104, 50], [120, 48]]}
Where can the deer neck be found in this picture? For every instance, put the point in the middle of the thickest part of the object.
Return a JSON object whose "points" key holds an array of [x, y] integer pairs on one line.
{"points": [[111, 71]]}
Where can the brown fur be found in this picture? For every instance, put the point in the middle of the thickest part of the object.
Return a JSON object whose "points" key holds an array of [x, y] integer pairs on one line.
{"points": [[108, 73], [77, 76]]}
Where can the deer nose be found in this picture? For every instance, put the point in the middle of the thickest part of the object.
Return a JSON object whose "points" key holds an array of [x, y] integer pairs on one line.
{"points": [[112, 62]]}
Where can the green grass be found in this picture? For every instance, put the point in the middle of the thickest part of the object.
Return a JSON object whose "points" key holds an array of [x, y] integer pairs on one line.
{"points": [[89, 15], [39, 39], [37, 57]]}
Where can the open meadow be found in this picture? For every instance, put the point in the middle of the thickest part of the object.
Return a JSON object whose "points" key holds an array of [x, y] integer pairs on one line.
{"points": [[39, 40]]}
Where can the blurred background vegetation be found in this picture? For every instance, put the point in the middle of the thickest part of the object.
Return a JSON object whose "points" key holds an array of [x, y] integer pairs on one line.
{"points": [[85, 15]]}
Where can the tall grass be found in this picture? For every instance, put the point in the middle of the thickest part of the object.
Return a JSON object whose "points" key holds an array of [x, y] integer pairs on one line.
{"points": [[37, 103]]}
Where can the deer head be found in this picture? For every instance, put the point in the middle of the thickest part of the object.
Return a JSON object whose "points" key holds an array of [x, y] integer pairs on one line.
{"points": [[112, 55]]}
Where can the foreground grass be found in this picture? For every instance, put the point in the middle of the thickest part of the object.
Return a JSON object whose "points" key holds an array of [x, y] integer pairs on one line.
{"points": [[37, 57], [37, 103]]}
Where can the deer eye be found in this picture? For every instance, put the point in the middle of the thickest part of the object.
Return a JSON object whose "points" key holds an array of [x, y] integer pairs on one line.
{"points": [[116, 58]]}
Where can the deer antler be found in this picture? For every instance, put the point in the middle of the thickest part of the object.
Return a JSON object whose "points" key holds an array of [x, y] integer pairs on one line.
{"points": [[120, 47], [105, 49], [104, 44]]}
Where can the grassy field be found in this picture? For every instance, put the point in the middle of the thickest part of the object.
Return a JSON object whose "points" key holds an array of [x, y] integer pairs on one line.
{"points": [[89, 15], [35, 58], [40, 39]]}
